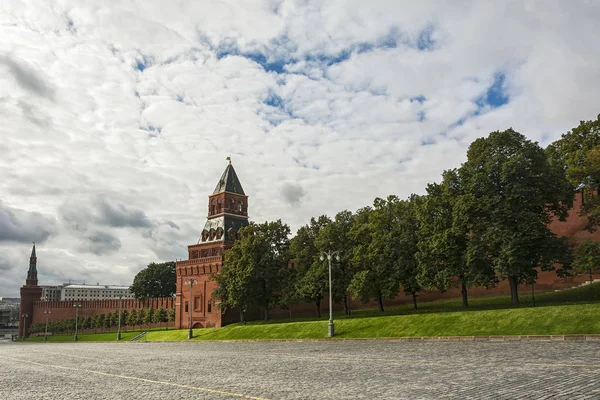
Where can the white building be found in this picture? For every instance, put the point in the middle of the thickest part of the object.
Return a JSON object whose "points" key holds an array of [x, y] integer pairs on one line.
{"points": [[51, 293], [70, 291]]}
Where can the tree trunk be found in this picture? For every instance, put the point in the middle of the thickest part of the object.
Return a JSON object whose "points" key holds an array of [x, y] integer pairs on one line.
{"points": [[242, 315], [414, 297], [463, 292], [318, 304], [346, 305], [514, 294], [532, 295], [380, 301], [266, 310]]}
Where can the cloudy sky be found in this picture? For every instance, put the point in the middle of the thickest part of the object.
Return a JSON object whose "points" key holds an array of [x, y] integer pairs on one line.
{"points": [[116, 116]]}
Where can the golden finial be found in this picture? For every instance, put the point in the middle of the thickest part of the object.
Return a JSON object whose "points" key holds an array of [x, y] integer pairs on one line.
{"points": [[229, 159]]}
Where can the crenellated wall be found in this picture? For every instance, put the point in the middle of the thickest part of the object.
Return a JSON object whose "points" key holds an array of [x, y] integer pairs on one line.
{"points": [[61, 310]]}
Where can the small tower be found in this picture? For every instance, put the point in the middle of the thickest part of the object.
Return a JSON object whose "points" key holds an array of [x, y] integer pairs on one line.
{"points": [[227, 214], [30, 293]]}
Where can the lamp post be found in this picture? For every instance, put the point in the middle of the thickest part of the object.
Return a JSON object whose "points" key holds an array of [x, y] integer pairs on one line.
{"points": [[190, 282], [77, 307], [329, 254], [119, 330], [46, 330], [24, 326], [13, 321]]}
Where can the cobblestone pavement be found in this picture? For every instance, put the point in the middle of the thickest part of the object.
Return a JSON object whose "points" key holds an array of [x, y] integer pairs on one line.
{"points": [[301, 370]]}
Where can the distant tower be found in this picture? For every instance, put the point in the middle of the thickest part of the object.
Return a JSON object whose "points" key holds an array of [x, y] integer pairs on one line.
{"points": [[227, 214], [30, 293]]}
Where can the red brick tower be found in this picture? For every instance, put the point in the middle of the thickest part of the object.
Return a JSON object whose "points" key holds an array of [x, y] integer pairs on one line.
{"points": [[227, 214], [30, 293]]}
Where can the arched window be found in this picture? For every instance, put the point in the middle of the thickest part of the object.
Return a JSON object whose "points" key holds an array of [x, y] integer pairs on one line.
{"points": [[231, 204], [212, 207], [240, 206], [219, 209]]}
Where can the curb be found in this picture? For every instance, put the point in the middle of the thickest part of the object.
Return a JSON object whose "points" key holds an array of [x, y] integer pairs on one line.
{"points": [[494, 338]]}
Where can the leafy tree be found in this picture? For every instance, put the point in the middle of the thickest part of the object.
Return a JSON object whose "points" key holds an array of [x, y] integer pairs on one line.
{"points": [[445, 255], [587, 257], [132, 318], [255, 268], [337, 236], [376, 252], [171, 315], [149, 316], [141, 316], [100, 321], [160, 316], [108, 320], [87, 322], [578, 151], [512, 193], [312, 280], [156, 280], [124, 316]]}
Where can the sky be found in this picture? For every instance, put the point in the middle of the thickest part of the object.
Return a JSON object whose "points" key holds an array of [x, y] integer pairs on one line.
{"points": [[116, 116]]}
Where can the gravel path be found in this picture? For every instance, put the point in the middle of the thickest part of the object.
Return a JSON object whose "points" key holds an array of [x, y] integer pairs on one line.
{"points": [[301, 370]]}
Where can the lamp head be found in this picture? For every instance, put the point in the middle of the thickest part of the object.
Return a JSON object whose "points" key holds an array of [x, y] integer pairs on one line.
{"points": [[321, 257], [337, 257]]}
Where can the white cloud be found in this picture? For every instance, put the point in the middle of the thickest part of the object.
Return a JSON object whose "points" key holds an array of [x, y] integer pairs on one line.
{"points": [[116, 119]]}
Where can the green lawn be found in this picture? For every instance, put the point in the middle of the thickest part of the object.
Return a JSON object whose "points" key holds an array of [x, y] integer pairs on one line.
{"points": [[574, 311]]}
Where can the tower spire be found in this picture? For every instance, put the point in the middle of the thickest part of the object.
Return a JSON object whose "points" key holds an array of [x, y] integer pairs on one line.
{"points": [[32, 272]]}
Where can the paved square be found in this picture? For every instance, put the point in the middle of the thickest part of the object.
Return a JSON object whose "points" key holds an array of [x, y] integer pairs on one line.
{"points": [[301, 370]]}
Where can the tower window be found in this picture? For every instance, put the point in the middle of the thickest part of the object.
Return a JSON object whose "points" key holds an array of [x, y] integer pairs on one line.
{"points": [[186, 306], [240, 206], [209, 307]]}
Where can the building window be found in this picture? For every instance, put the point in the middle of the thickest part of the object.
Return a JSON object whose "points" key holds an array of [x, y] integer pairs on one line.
{"points": [[186, 306], [209, 307]]}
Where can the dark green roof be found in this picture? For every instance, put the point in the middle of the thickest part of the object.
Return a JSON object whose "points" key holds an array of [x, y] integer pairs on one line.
{"points": [[229, 182]]}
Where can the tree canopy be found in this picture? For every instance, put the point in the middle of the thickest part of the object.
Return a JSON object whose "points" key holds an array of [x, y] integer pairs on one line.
{"points": [[255, 268], [156, 280]]}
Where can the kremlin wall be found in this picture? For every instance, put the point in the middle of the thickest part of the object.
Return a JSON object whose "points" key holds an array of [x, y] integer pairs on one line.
{"points": [[227, 214]]}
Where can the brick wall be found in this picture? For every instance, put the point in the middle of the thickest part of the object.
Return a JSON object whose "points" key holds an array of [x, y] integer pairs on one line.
{"points": [[61, 310]]}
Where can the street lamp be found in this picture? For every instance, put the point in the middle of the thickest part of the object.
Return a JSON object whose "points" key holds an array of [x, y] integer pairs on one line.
{"points": [[329, 254], [119, 331], [190, 282], [13, 321], [46, 330], [77, 307], [24, 326]]}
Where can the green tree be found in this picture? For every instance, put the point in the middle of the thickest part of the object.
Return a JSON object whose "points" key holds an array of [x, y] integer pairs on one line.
{"points": [[100, 321], [312, 276], [512, 192], [141, 317], [376, 254], [86, 322], [255, 268], [124, 316], [337, 236], [149, 316], [445, 255], [171, 315], [132, 318], [578, 151], [156, 280], [108, 320], [160, 316], [587, 258]]}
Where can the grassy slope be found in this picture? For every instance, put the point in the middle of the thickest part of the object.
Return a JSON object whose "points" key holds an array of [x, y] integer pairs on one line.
{"points": [[575, 311]]}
